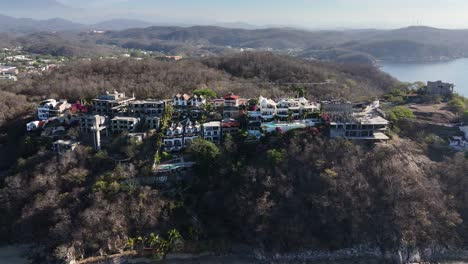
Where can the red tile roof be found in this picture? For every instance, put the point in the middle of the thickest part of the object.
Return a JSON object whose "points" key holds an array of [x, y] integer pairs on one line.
{"points": [[231, 97]]}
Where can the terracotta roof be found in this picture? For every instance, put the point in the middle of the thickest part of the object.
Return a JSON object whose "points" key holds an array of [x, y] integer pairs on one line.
{"points": [[232, 96]]}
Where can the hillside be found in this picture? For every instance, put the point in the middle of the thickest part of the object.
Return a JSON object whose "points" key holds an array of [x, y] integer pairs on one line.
{"points": [[261, 195], [347, 46], [120, 24], [250, 74], [352, 46], [26, 25], [414, 43]]}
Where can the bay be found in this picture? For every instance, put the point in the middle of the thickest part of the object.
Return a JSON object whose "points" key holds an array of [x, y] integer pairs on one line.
{"points": [[455, 71]]}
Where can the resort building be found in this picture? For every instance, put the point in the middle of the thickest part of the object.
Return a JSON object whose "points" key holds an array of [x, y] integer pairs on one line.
{"points": [[52, 108], [180, 135], [8, 70], [361, 122], [124, 124], [31, 126], [144, 108], [218, 103], [152, 122], [337, 106], [458, 143], [439, 88], [254, 130], [212, 131], [196, 101], [181, 100], [174, 138], [8, 77], [368, 127], [265, 110], [295, 109], [62, 146], [231, 105], [185, 100], [87, 122], [230, 126], [288, 109], [110, 104], [94, 125]]}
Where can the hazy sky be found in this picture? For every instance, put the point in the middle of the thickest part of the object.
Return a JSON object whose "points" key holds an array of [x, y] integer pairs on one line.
{"points": [[307, 13]]}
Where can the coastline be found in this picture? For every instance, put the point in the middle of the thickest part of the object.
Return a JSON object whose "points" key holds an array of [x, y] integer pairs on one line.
{"points": [[428, 60]]}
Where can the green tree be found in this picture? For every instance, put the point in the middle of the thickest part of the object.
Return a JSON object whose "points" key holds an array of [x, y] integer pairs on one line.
{"points": [[400, 112], [275, 156], [457, 105], [207, 93], [205, 153]]}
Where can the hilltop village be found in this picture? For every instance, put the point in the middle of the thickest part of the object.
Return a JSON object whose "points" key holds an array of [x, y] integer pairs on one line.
{"points": [[185, 117]]}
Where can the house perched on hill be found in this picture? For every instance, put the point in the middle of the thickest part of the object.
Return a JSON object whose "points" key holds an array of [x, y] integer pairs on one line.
{"points": [[439, 88], [180, 135], [110, 104], [52, 108], [356, 121], [145, 108]]}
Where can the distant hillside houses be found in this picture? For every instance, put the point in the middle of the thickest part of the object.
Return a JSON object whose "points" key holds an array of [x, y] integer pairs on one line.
{"points": [[8, 73], [187, 117]]}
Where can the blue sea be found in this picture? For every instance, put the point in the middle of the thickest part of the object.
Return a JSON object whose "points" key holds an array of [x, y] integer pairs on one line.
{"points": [[455, 71]]}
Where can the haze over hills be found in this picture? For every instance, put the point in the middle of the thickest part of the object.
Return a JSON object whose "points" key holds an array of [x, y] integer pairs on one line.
{"points": [[355, 46], [9, 24], [27, 25], [412, 43], [121, 24]]}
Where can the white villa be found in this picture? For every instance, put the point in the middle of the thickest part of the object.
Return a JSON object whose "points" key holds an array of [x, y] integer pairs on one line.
{"points": [[52, 108], [212, 131], [185, 100], [180, 135], [265, 110]]}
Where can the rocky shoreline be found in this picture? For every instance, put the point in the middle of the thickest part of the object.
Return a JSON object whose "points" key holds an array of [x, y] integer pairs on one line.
{"points": [[356, 255]]}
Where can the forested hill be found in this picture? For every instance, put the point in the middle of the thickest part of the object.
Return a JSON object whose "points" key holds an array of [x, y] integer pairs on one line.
{"points": [[349, 46], [284, 193], [250, 74]]}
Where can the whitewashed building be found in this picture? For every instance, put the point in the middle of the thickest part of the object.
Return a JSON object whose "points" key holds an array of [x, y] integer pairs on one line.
{"points": [[52, 108], [212, 131]]}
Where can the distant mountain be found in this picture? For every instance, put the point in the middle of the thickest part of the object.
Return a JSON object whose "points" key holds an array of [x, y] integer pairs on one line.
{"points": [[272, 38], [344, 46], [241, 25], [27, 25], [413, 43], [121, 24]]}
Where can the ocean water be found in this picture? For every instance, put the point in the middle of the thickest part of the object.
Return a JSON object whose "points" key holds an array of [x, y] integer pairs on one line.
{"points": [[455, 71]]}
